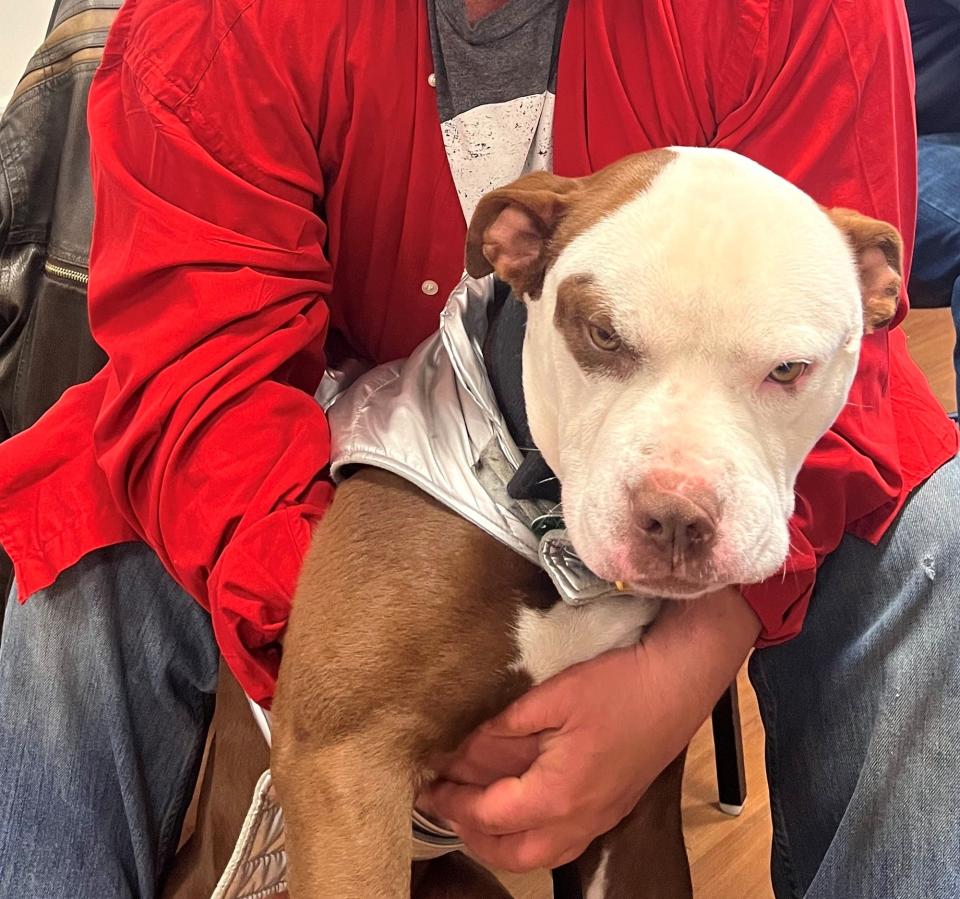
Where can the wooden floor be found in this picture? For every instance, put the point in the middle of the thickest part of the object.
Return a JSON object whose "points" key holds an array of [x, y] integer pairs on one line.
{"points": [[730, 856], [930, 334]]}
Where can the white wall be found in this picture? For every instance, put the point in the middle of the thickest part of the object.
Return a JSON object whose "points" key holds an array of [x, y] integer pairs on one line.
{"points": [[23, 24]]}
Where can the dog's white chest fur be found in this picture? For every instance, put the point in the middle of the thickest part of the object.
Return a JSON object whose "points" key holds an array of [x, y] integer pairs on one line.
{"points": [[552, 640]]}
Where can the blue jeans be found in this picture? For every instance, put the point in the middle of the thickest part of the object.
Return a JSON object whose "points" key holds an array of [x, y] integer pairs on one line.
{"points": [[936, 255], [106, 682], [862, 716]]}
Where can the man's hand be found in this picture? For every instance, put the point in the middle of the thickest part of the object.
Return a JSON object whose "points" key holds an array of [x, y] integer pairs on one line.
{"points": [[597, 734], [595, 758]]}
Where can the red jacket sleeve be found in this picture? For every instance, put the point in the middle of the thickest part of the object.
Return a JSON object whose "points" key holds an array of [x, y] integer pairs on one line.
{"points": [[824, 97], [207, 293]]}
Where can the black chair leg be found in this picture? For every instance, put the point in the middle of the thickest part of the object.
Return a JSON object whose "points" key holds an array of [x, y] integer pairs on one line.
{"points": [[566, 882], [728, 749]]}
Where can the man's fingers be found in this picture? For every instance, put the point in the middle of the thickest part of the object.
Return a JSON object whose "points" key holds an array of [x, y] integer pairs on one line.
{"points": [[509, 805], [523, 852], [539, 709], [485, 758]]}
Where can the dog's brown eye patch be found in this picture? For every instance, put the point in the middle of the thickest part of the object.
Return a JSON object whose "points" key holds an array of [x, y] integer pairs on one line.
{"points": [[581, 317]]}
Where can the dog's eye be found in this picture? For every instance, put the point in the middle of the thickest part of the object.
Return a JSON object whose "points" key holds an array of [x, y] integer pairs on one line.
{"points": [[603, 338], [787, 372]]}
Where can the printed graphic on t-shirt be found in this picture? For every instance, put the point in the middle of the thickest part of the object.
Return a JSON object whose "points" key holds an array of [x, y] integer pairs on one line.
{"points": [[491, 145]]}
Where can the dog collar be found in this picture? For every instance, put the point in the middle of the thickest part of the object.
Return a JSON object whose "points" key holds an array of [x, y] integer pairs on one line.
{"points": [[574, 581]]}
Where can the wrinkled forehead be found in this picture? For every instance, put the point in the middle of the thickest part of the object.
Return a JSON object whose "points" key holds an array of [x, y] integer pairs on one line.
{"points": [[715, 239]]}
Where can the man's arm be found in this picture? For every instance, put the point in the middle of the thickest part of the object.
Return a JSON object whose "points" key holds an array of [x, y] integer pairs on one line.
{"points": [[206, 292]]}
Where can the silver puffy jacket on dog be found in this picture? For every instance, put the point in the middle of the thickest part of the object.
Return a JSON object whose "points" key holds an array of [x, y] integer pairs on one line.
{"points": [[433, 420], [429, 419]]}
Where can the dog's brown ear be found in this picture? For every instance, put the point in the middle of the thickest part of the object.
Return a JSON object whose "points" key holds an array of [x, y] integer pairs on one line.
{"points": [[879, 253], [511, 229]]}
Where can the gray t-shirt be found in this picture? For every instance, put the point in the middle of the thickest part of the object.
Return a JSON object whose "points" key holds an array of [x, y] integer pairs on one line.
{"points": [[495, 83]]}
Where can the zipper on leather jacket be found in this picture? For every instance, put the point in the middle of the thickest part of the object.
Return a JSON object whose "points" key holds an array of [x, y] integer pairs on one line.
{"points": [[77, 275]]}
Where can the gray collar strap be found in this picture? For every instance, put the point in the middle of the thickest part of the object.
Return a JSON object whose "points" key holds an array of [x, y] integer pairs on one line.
{"points": [[575, 583]]}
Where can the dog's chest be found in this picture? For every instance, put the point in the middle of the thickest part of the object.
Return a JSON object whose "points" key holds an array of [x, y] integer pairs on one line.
{"points": [[550, 640]]}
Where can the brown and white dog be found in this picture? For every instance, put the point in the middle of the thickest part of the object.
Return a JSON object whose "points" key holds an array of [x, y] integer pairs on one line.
{"points": [[694, 325]]}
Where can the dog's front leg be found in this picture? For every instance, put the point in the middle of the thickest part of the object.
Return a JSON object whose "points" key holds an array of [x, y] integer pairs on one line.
{"points": [[347, 818], [401, 641], [644, 856], [455, 876]]}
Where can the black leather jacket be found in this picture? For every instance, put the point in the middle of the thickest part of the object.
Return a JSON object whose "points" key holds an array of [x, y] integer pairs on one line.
{"points": [[46, 213]]}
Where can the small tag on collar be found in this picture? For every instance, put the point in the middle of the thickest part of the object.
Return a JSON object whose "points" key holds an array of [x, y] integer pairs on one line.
{"points": [[575, 583]]}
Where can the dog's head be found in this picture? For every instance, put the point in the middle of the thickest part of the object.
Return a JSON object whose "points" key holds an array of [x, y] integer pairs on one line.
{"points": [[694, 325]]}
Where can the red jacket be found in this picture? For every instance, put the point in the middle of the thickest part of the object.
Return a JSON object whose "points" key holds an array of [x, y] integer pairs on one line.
{"points": [[271, 184]]}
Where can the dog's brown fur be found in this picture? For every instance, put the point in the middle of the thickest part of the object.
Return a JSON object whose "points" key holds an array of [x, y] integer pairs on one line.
{"points": [[878, 249], [580, 305], [399, 644], [557, 211]]}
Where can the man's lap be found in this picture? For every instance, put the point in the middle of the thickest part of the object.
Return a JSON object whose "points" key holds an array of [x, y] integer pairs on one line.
{"points": [[106, 686], [861, 710], [862, 714]]}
